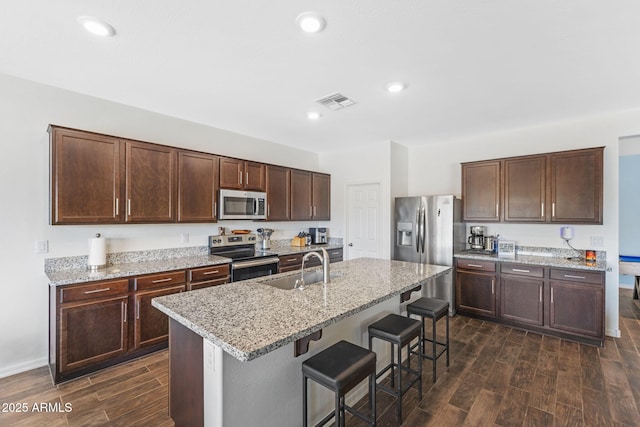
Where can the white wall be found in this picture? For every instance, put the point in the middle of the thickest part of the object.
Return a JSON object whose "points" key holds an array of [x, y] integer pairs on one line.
{"points": [[26, 109]]}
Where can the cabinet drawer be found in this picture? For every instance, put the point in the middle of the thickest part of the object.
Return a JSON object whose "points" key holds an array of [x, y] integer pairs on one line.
{"points": [[335, 255], [206, 284], [474, 264], [158, 280], [93, 290], [289, 260], [522, 270], [208, 273], [577, 276]]}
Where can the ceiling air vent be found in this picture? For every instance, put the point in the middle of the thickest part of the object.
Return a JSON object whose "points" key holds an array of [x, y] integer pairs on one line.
{"points": [[335, 101]]}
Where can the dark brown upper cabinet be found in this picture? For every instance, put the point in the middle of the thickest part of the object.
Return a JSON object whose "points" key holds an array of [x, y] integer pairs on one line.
{"points": [[238, 174], [150, 172], [575, 181], [86, 177], [481, 191], [321, 196], [525, 189], [563, 187], [278, 193], [310, 196], [197, 187]]}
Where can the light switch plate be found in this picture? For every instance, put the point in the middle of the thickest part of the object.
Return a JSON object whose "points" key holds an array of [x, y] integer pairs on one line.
{"points": [[597, 241], [42, 246]]}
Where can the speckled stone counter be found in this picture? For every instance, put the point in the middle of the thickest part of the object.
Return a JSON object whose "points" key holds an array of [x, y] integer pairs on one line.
{"points": [[284, 248], [71, 276], [249, 319], [547, 257]]}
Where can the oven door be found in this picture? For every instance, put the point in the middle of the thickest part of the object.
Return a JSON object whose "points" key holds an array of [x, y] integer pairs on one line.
{"points": [[244, 270]]}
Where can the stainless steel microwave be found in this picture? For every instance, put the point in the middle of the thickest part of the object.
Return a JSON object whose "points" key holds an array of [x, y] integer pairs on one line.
{"points": [[236, 204]]}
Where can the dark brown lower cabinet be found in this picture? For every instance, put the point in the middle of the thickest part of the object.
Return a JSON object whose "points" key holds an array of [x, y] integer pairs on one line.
{"points": [[568, 303], [151, 325], [521, 300], [577, 308], [476, 293], [91, 332]]}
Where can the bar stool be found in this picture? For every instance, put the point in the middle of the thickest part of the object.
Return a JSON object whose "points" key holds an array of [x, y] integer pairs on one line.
{"points": [[400, 331], [340, 368], [434, 309]]}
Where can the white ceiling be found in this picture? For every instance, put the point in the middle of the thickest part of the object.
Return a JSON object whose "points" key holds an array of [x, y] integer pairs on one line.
{"points": [[472, 66]]}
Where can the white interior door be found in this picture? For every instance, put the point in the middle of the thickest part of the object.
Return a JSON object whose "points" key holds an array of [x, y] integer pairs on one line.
{"points": [[364, 224]]}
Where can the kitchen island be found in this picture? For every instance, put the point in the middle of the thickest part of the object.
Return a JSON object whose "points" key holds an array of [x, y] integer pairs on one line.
{"points": [[232, 347]]}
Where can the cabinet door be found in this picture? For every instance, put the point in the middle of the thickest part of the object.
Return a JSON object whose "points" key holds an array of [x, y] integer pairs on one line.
{"points": [[476, 293], [278, 190], [151, 325], [231, 171], [197, 187], [151, 183], [254, 176], [85, 178], [577, 308], [522, 300], [576, 186], [290, 263], [91, 332], [525, 189], [481, 191], [321, 198], [301, 203]]}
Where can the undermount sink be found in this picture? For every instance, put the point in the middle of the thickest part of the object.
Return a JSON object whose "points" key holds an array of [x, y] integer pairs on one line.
{"points": [[288, 282]]}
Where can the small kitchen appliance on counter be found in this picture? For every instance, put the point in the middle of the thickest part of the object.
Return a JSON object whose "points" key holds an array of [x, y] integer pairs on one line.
{"points": [[265, 234], [476, 240], [319, 236]]}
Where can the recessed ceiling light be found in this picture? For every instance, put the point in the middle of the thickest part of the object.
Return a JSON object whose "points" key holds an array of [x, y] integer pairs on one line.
{"points": [[96, 26], [313, 115], [311, 22], [395, 87]]}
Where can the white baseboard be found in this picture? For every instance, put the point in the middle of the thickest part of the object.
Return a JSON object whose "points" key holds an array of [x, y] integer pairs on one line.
{"points": [[615, 333], [23, 367]]}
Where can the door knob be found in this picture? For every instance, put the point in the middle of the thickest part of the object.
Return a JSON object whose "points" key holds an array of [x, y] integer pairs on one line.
{"points": [[350, 244]]}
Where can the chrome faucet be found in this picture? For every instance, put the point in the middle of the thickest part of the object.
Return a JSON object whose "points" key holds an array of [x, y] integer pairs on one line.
{"points": [[324, 259]]}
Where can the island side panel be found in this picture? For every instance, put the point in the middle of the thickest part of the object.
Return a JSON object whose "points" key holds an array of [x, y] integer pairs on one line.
{"points": [[186, 381], [267, 391]]}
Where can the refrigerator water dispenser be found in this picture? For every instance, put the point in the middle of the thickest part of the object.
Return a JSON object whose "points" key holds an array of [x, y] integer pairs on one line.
{"points": [[405, 231]]}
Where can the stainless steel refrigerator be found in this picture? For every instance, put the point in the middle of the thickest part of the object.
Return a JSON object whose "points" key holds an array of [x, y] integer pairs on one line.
{"points": [[428, 230]]}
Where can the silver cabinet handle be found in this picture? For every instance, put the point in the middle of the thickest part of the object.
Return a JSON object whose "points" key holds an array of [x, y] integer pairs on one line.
{"points": [[540, 293], [520, 271], [493, 286], [571, 276], [551, 295], [168, 279], [246, 182], [117, 207], [292, 260], [213, 212], [268, 210], [138, 309], [240, 175], [553, 209], [209, 272], [97, 290], [129, 207], [124, 317], [315, 212], [497, 211], [474, 265], [542, 209]]}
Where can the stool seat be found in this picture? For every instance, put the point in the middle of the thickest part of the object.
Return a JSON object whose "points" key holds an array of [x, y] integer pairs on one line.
{"points": [[396, 329], [428, 307], [341, 366]]}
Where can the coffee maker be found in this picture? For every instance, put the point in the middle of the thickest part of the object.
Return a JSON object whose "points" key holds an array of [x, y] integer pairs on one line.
{"points": [[476, 240], [319, 236]]}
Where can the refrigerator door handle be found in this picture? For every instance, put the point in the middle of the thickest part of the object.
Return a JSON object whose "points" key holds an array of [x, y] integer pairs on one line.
{"points": [[418, 230], [424, 227]]}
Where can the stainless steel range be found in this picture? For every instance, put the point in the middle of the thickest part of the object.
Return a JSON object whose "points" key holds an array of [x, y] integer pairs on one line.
{"points": [[247, 262]]}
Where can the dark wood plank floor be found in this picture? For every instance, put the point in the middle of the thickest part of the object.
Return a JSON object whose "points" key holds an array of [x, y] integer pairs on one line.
{"points": [[498, 376]]}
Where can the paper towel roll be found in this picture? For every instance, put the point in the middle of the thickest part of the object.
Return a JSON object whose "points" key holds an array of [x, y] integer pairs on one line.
{"points": [[97, 252], [566, 233]]}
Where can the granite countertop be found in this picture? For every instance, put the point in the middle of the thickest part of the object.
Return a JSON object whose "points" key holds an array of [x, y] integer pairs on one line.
{"points": [[249, 319], [546, 261], [81, 275]]}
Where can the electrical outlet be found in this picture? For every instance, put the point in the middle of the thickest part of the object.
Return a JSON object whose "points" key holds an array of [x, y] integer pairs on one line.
{"points": [[185, 237], [597, 241], [42, 246]]}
